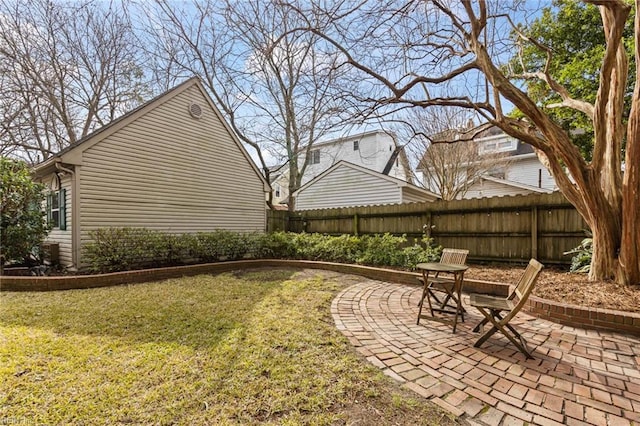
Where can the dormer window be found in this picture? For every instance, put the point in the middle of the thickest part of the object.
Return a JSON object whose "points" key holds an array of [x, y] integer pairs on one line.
{"points": [[497, 145]]}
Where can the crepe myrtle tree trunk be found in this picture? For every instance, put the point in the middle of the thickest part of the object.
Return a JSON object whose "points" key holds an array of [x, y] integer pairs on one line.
{"points": [[630, 244]]}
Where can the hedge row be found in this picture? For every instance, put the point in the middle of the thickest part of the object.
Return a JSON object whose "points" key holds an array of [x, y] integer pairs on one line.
{"points": [[125, 249]]}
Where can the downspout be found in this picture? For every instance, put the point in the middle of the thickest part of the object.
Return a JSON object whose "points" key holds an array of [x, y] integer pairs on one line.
{"points": [[75, 210], [64, 169]]}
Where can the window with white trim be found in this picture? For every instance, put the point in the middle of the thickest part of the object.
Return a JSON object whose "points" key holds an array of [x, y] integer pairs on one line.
{"points": [[56, 209], [497, 145], [315, 157]]}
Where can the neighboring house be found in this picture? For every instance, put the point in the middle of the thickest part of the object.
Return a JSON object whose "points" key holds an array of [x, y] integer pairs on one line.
{"points": [[488, 186], [376, 150], [347, 185], [518, 171], [171, 165]]}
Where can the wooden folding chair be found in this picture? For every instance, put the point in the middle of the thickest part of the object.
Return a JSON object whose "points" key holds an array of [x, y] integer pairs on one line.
{"points": [[444, 285], [499, 311]]}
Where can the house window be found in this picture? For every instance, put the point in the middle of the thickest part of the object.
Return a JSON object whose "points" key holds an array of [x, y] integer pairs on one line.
{"points": [[277, 190], [56, 209], [498, 145], [356, 145], [315, 157]]}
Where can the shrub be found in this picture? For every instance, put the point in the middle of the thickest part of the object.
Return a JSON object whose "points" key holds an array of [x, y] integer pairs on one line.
{"points": [[23, 224], [581, 260], [275, 245], [124, 249], [383, 249], [121, 249], [418, 254]]}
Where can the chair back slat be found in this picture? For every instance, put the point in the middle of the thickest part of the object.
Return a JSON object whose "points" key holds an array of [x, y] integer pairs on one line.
{"points": [[524, 288], [454, 256], [527, 279]]}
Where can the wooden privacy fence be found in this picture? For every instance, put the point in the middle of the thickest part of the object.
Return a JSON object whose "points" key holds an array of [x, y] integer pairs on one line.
{"points": [[543, 226]]}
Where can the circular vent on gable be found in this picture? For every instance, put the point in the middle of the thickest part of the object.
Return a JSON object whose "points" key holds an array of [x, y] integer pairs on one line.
{"points": [[195, 110]]}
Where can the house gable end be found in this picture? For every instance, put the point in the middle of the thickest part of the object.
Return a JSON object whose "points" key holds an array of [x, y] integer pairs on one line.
{"points": [[73, 154], [397, 183], [170, 171]]}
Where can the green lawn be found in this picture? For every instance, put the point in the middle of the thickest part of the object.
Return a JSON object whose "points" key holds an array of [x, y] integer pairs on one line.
{"points": [[257, 347]]}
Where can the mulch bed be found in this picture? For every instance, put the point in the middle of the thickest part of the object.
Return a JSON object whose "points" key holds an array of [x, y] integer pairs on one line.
{"points": [[561, 286]]}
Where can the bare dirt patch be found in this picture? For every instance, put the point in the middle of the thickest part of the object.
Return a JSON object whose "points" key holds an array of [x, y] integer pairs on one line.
{"points": [[561, 286]]}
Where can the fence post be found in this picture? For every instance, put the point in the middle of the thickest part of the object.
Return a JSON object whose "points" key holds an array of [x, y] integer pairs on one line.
{"points": [[534, 232], [356, 224]]}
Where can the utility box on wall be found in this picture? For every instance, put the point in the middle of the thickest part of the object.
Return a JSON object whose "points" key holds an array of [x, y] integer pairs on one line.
{"points": [[51, 253]]}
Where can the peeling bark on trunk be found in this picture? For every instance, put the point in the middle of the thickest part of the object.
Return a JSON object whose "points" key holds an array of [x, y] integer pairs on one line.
{"points": [[630, 245]]}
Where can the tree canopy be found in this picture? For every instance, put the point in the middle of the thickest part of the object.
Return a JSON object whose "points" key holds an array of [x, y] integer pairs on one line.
{"points": [[573, 31], [66, 69]]}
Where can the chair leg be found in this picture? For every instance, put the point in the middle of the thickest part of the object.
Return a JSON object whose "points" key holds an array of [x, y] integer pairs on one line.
{"points": [[522, 340], [488, 317], [485, 336], [520, 343], [480, 325], [495, 317], [435, 297]]}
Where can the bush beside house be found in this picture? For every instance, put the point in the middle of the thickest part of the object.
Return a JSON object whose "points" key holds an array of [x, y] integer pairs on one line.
{"points": [[124, 249], [23, 224]]}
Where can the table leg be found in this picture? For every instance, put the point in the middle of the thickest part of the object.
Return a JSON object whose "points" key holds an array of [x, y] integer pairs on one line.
{"points": [[457, 288], [425, 278]]}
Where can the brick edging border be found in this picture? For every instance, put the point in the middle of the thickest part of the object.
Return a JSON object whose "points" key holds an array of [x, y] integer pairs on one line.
{"points": [[571, 315]]}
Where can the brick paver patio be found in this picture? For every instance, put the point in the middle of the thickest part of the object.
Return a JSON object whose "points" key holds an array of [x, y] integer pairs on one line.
{"points": [[577, 377]]}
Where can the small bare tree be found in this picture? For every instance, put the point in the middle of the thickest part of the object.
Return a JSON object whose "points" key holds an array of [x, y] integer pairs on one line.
{"points": [[66, 69], [444, 139]]}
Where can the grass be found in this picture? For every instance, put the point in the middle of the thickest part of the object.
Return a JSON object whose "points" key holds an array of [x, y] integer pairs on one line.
{"points": [[254, 347]]}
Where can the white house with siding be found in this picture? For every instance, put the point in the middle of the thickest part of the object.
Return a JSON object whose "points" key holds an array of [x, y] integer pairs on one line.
{"points": [[376, 150], [348, 185], [172, 165], [517, 172]]}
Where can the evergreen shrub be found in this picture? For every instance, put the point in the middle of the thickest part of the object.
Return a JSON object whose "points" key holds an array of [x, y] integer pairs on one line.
{"points": [[123, 249]]}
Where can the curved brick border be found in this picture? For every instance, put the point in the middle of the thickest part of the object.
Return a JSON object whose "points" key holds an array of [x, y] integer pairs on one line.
{"points": [[571, 315]]}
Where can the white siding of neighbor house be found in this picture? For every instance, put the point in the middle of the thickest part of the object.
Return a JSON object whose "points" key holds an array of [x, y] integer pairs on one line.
{"points": [[486, 188], [63, 238], [410, 195], [345, 187], [528, 171], [170, 172], [283, 183], [374, 151]]}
